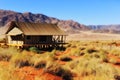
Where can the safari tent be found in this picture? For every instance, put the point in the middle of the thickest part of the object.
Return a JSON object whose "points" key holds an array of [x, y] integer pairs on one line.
{"points": [[33, 34]]}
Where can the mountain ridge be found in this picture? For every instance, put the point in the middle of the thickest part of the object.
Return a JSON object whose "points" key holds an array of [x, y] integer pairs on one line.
{"points": [[66, 25], [69, 26]]}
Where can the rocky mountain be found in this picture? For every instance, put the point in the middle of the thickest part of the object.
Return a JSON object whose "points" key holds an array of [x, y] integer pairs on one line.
{"points": [[105, 28], [67, 25]]}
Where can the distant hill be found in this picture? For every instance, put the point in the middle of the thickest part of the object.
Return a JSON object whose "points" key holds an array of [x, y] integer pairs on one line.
{"points": [[67, 25], [105, 28]]}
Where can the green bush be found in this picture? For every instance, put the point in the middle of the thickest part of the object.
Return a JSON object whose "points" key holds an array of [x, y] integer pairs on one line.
{"points": [[34, 49]]}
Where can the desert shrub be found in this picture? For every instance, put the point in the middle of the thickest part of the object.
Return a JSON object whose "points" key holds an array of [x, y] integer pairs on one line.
{"points": [[113, 60], [38, 61], [20, 60], [65, 58], [75, 52], [56, 69], [6, 54], [115, 51], [50, 55], [53, 52], [82, 48], [90, 50], [82, 54], [103, 56], [40, 64], [34, 49]]}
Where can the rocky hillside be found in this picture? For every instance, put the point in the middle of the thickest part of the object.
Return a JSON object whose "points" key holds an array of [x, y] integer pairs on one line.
{"points": [[67, 25]]}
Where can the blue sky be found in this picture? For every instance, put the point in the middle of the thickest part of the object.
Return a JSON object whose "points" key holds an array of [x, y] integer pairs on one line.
{"points": [[83, 11]]}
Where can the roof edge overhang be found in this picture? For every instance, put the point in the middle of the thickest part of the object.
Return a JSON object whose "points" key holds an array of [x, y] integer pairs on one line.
{"points": [[44, 35]]}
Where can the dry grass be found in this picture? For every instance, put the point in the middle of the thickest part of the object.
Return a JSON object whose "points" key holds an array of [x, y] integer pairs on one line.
{"points": [[91, 61]]}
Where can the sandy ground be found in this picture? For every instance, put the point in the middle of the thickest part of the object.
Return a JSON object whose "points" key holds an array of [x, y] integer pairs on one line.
{"points": [[87, 35]]}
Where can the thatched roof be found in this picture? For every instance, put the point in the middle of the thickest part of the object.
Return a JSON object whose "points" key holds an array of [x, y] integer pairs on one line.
{"points": [[34, 28]]}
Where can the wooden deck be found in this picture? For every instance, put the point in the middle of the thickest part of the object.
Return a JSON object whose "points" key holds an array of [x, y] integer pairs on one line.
{"points": [[44, 45], [40, 45]]}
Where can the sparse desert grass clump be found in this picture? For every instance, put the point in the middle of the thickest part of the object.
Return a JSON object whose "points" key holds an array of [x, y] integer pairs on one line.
{"points": [[115, 51], [56, 69], [38, 61], [41, 60], [20, 60], [113, 60], [6, 54], [75, 52], [65, 58]]}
